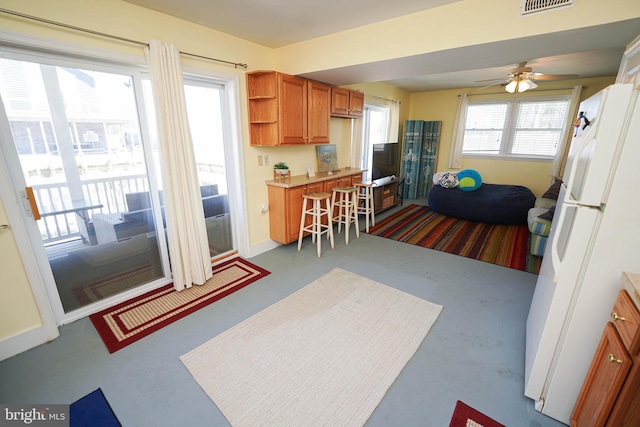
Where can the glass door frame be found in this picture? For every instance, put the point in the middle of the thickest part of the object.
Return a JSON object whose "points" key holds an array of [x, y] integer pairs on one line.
{"points": [[26, 229], [18, 183]]}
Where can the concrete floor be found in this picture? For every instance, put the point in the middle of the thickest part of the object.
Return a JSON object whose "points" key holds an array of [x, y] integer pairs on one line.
{"points": [[473, 353]]}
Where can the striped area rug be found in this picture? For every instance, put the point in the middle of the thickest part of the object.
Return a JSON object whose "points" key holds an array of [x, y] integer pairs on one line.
{"points": [[505, 245], [132, 320]]}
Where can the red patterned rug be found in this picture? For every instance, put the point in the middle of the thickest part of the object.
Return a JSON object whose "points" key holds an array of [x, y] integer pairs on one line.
{"points": [[506, 245], [132, 320], [466, 416]]}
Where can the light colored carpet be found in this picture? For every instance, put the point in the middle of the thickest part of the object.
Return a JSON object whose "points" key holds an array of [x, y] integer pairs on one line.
{"points": [[325, 355]]}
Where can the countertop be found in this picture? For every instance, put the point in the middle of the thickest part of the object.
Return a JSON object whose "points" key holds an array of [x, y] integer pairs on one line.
{"points": [[631, 282], [298, 180]]}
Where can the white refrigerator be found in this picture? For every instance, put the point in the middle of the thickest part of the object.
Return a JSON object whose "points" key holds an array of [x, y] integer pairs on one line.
{"points": [[595, 236]]}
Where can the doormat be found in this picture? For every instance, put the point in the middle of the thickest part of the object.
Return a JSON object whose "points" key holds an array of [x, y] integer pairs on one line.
{"points": [[500, 244], [132, 320], [465, 416], [115, 284], [92, 410]]}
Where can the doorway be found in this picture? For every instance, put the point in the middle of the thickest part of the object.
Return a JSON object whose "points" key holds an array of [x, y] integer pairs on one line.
{"points": [[78, 134]]}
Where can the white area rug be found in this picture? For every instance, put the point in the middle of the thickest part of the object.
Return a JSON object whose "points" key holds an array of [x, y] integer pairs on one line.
{"points": [[323, 356]]}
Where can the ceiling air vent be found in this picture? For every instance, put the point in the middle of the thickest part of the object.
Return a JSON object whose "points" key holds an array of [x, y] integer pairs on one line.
{"points": [[528, 7]]}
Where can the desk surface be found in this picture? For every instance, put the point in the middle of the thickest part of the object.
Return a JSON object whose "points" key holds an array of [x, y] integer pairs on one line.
{"points": [[298, 180]]}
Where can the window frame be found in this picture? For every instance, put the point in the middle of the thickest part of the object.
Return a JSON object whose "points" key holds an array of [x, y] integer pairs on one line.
{"points": [[509, 128]]}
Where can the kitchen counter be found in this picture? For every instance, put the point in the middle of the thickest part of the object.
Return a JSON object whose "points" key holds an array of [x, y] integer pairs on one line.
{"points": [[631, 282], [298, 180]]}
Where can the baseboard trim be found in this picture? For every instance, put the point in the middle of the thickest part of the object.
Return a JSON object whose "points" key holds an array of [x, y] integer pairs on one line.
{"points": [[263, 247], [23, 341]]}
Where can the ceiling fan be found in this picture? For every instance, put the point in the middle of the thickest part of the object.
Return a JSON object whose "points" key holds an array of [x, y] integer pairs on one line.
{"points": [[523, 78]]}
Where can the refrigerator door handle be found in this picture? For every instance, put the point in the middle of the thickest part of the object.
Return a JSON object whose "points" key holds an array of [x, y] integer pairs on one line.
{"points": [[574, 166], [555, 255]]}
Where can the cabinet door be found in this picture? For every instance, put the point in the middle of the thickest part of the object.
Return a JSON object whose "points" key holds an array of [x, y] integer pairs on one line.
{"points": [[339, 102], [626, 319], [356, 104], [604, 380], [293, 109], [318, 108], [295, 200]]}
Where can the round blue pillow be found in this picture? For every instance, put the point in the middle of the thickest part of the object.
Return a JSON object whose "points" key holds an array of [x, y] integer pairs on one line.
{"points": [[469, 180]]}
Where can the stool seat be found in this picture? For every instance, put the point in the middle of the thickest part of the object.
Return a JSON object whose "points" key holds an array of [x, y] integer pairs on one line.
{"points": [[317, 228], [364, 203], [346, 207]]}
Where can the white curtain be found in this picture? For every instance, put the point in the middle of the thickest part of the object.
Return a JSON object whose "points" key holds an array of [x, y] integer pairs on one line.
{"points": [[357, 143], [455, 157], [186, 230], [393, 122], [559, 162]]}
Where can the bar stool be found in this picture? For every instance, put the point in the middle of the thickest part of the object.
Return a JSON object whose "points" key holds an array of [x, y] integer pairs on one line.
{"points": [[347, 207], [316, 228], [365, 201]]}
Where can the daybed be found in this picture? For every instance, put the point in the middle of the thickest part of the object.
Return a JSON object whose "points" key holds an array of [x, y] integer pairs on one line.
{"points": [[491, 203]]}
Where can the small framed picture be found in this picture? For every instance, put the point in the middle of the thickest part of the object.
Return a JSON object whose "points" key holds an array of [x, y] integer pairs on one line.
{"points": [[310, 172]]}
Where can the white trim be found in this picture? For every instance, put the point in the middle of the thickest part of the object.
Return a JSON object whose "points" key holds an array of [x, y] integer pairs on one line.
{"points": [[24, 341], [49, 330], [51, 46], [262, 247]]}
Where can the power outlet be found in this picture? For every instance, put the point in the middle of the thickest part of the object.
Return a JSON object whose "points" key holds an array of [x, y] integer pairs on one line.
{"points": [[265, 158]]}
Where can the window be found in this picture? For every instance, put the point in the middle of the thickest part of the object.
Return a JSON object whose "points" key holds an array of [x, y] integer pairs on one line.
{"points": [[374, 132], [523, 128]]}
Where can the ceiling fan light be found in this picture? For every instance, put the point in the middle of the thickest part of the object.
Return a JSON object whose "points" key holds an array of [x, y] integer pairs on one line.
{"points": [[511, 87], [523, 85], [532, 85]]}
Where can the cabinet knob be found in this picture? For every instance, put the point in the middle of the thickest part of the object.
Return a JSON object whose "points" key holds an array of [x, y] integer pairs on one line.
{"points": [[616, 316], [612, 359]]}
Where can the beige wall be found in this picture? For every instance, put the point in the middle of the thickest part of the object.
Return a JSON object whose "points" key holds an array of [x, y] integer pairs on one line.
{"points": [[18, 310], [442, 105], [403, 36]]}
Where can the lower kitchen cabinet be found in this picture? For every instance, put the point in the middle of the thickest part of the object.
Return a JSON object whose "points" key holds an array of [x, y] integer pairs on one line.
{"points": [[610, 395]]}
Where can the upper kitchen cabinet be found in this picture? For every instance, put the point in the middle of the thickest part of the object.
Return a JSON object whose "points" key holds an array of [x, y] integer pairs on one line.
{"points": [[287, 110], [346, 103]]}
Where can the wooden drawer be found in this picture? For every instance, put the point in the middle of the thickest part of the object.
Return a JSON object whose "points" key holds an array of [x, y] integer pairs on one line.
{"points": [[604, 380], [626, 319]]}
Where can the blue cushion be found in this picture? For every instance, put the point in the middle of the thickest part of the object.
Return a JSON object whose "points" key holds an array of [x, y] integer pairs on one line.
{"points": [[469, 180]]}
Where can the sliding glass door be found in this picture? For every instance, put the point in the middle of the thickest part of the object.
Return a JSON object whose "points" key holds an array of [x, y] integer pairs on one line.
{"points": [[78, 138]]}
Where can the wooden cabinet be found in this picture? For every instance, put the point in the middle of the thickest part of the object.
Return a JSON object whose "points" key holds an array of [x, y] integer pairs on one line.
{"points": [[285, 204], [346, 103], [385, 194], [287, 110], [610, 395]]}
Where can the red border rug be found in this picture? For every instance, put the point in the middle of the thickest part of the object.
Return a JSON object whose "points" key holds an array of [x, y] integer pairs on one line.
{"points": [[465, 416], [501, 244], [132, 320]]}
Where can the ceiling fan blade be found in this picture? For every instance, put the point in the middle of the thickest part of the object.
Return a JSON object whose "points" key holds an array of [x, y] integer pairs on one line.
{"points": [[491, 85], [490, 80], [554, 77]]}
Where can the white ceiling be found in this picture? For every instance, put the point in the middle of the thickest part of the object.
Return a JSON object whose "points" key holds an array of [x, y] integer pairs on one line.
{"points": [[588, 52]]}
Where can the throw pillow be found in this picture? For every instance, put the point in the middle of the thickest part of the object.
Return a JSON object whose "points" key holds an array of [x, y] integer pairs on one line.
{"points": [[469, 179], [448, 180], [548, 215], [553, 191]]}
